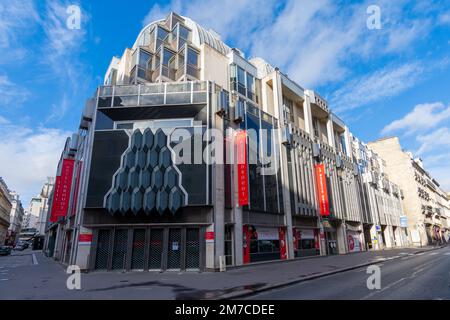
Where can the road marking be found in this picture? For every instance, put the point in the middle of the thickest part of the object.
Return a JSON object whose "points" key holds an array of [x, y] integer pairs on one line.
{"points": [[4, 279], [35, 262], [433, 253], [385, 288], [447, 254]]}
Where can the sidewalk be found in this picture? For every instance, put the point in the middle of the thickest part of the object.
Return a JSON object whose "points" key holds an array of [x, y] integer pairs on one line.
{"points": [[47, 280]]}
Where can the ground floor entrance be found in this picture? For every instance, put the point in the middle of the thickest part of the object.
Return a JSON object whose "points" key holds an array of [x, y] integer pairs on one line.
{"points": [[153, 248]]}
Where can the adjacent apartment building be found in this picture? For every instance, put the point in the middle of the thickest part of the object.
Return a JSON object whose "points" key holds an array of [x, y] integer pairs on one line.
{"points": [[285, 181], [16, 219], [5, 210], [425, 204]]}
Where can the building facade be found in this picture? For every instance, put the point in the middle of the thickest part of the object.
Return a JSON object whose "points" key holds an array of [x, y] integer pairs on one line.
{"points": [[424, 203], [16, 219], [5, 210], [384, 222], [124, 200]]}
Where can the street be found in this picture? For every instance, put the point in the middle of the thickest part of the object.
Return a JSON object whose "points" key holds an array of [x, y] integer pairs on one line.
{"points": [[422, 276], [406, 273]]}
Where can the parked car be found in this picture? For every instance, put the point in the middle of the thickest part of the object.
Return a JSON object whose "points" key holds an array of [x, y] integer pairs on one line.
{"points": [[20, 246], [5, 250]]}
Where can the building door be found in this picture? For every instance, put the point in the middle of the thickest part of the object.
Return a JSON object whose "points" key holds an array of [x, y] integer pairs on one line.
{"points": [[156, 249], [192, 249], [138, 249], [331, 238], [174, 249], [120, 249], [101, 259], [229, 245]]}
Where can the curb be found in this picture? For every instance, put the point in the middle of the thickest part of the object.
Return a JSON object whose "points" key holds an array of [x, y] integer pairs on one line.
{"points": [[249, 292]]}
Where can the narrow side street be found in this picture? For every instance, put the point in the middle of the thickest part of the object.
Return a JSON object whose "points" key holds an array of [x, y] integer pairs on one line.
{"points": [[25, 277]]}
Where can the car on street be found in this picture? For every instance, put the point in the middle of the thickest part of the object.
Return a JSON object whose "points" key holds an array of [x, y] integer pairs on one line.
{"points": [[20, 246], [5, 250]]}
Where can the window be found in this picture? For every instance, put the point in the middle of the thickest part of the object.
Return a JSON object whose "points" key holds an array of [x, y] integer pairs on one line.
{"points": [[144, 58], [316, 127], [288, 106], [192, 57], [241, 81], [122, 126], [250, 87]]}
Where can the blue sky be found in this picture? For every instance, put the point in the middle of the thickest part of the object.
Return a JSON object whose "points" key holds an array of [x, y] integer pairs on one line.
{"points": [[391, 81]]}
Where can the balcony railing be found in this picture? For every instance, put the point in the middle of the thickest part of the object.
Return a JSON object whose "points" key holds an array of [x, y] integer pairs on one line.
{"points": [[193, 92]]}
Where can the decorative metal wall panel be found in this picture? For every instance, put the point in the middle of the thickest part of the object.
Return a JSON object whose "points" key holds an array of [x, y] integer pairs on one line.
{"points": [[147, 180]]}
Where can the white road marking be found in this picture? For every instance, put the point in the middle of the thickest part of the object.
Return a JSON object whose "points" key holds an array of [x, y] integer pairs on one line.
{"points": [[447, 254], [4, 279], [35, 262], [385, 288], [433, 253]]}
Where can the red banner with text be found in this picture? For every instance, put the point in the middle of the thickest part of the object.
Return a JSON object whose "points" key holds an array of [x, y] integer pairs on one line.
{"points": [[242, 172], [322, 193], [61, 194]]}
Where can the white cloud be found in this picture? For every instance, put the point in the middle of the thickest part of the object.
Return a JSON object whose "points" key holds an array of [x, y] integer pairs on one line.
{"points": [[17, 19], [11, 95], [383, 83], [28, 156], [437, 140], [423, 116]]}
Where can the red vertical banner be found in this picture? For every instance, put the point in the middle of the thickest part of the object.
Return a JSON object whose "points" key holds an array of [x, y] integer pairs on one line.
{"points": [[61, 195], [283, 247], [322, 193], [242, 171]]}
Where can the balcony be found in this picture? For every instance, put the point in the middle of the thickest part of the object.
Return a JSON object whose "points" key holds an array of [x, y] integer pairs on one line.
{"points": [[194, 92]]}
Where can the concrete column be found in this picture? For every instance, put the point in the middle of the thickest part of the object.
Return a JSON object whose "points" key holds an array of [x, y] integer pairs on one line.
{"points": [[348, 146], [341, 238], [330, 131], [308, 117], [278, 103]]}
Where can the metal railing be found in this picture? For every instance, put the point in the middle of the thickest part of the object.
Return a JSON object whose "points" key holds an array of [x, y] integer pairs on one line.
{"points": [[192, 92]]}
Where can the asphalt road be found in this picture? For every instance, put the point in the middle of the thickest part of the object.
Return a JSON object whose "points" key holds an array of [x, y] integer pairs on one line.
{"points": [[423, 276]]}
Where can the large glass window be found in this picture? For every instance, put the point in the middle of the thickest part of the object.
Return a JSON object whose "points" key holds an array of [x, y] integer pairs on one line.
{"points": [[192, 57], [144, 58], [250, 87], [241, 81]]}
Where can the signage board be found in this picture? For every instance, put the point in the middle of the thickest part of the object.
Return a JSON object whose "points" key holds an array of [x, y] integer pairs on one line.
{"points": [[321, 185]]}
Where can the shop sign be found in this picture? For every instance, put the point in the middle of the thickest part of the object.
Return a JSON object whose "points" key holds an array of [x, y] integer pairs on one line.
{"points": [[378, 228], [267, 234], [209, 236], [321, 185], [307, 233], [242, 176], [61, 195], [85, 237]]}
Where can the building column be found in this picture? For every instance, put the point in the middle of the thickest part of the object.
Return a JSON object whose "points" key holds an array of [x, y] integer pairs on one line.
{"points": [[278, 103], [330, 132], [308, 116]]}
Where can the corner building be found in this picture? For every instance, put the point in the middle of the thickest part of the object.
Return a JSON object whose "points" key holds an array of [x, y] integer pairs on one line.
{"points": [[131, 206]]}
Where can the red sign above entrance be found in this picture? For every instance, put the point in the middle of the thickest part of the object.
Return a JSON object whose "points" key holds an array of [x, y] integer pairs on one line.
{"points": [[322, 193], [242, 172], [61, 194]]}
